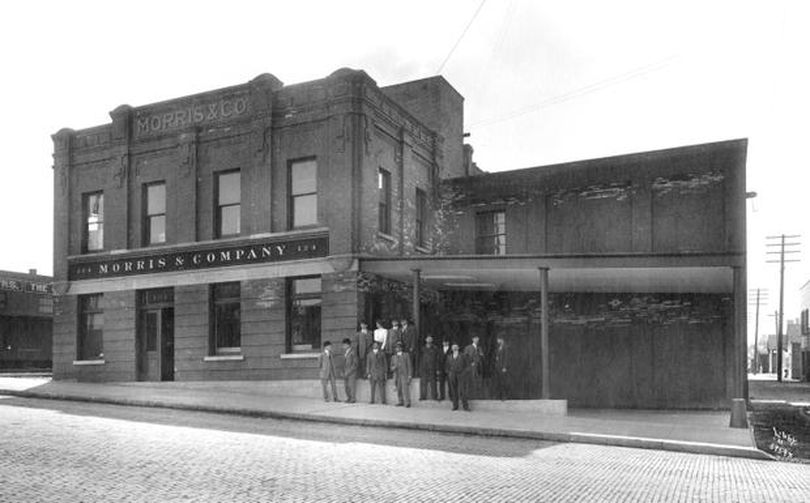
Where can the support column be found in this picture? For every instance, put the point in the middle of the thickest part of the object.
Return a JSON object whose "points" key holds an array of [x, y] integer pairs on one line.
{"points": [[416, 279], [545, 390], [740, 344]]}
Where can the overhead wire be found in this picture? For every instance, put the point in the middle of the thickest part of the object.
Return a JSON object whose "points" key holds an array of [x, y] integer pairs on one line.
{"points": [[441, 67], [582, 91]]}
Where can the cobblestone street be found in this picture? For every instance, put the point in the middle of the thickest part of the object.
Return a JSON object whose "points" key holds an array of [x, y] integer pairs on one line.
{"points": [[69, 451]]}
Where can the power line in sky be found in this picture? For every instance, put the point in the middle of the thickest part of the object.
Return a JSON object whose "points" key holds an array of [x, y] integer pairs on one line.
{"points": [[582, 91], [461, 37]]}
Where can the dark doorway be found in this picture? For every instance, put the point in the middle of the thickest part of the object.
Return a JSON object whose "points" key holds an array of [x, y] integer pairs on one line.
{"points": [[155, 341]]}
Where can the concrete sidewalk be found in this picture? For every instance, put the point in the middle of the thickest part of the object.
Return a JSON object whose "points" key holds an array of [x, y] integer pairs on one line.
{"points": [[689, 431]]}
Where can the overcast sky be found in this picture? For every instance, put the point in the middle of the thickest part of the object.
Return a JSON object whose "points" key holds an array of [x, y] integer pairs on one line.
{"points": [[544, 82]]}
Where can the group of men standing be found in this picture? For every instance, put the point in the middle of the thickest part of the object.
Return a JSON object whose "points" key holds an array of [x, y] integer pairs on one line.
{"points": [[392, 353]]}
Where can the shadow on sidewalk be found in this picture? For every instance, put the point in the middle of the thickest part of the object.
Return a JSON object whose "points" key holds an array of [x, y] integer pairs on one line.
{"points": [[299, 430]]}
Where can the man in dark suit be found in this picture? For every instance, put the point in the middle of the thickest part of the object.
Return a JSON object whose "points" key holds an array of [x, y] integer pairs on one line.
{"points": [[350, 371], [376, 371], [499, 372], [362, 345], [326, 371], [457, 369], [475, 359], [403, 373], [429, 368], [444, 353], [409, 339]]}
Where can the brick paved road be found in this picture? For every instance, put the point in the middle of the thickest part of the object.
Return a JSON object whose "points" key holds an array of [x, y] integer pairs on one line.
{"points": [[64, 451]]}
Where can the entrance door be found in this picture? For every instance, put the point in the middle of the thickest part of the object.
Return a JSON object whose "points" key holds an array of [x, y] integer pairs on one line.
{"points": [[155, 341]]}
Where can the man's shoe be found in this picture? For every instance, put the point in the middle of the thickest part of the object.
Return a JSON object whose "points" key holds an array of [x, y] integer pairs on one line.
{"points": [[454, 408], [467, 409], [407, 405], [400, 404]]}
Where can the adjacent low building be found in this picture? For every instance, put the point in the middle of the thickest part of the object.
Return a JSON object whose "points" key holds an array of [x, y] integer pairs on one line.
{"points": [[227, 235], [26, 321]]}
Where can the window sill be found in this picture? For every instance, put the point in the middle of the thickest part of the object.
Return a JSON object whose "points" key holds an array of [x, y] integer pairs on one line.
{"points": [[81, 363], [224, 358], [386, 237], [300, 356]]}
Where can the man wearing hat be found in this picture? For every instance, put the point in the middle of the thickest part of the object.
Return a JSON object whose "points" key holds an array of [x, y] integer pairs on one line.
{"points": [[402, 372], [429, 369]]}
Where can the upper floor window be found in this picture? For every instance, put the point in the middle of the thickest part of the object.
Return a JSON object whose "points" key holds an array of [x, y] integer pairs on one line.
{"points": [[226, 336], [229, 204], [89, 345], [490, 233], [154, 218], [805, 319], [93, 218], [303, 193], [421, 218], [304, 314], [384, 186]]}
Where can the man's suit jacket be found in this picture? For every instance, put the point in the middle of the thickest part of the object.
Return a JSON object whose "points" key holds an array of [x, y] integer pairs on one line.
{"points": [[350, 367], [408, 338], [501, 359], [326, 367], [363, 343], [375, 365], [475, 357], [456, 366], [401, 366], [431, 361]]}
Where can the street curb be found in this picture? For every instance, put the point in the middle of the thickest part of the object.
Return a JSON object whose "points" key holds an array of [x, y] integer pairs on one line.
{"points": [[582, 438]]}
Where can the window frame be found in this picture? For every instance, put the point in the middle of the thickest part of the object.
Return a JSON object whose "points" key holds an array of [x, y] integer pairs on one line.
{"points": [[421, 218], [218, 231], [291, 223], [85, 311], [490, 244], [292, 297], [214, 349], [384, 201], [85, 244], [147, 217]]}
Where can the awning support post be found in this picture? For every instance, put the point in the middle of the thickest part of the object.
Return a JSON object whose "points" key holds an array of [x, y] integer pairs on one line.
{"points": [[545, 390]]}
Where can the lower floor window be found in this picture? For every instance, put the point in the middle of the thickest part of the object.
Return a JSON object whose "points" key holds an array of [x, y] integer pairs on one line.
{"points": [[226, 314], [304, 314], [91, 328]]}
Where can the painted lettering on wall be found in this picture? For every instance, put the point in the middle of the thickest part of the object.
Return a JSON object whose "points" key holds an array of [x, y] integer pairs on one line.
{"points": [[191, 115], [16, 285], [199, 258]]}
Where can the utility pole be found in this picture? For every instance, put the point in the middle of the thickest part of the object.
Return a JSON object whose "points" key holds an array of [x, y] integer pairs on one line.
{"points": [[780, 316], [760, 296]]}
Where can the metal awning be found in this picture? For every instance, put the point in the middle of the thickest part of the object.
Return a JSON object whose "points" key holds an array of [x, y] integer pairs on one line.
{"points": [[644, 274]]}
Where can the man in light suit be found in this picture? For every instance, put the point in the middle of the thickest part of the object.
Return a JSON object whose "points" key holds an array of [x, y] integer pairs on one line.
{"points": [[350, 371], [326, 371], [409, 337], [475, 360], [376, 371], [403, 373]]}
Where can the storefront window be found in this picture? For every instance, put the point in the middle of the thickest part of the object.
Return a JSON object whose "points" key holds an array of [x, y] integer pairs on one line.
{"points": [[304, 325], [91, 328], [226, 323]]}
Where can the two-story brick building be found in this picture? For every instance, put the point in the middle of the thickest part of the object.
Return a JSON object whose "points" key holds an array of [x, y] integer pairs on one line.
{"points": [[226, 235]]}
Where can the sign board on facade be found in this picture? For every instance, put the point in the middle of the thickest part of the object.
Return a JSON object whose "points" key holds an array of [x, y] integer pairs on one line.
{"points": [[199, 258], [16, 285]]}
